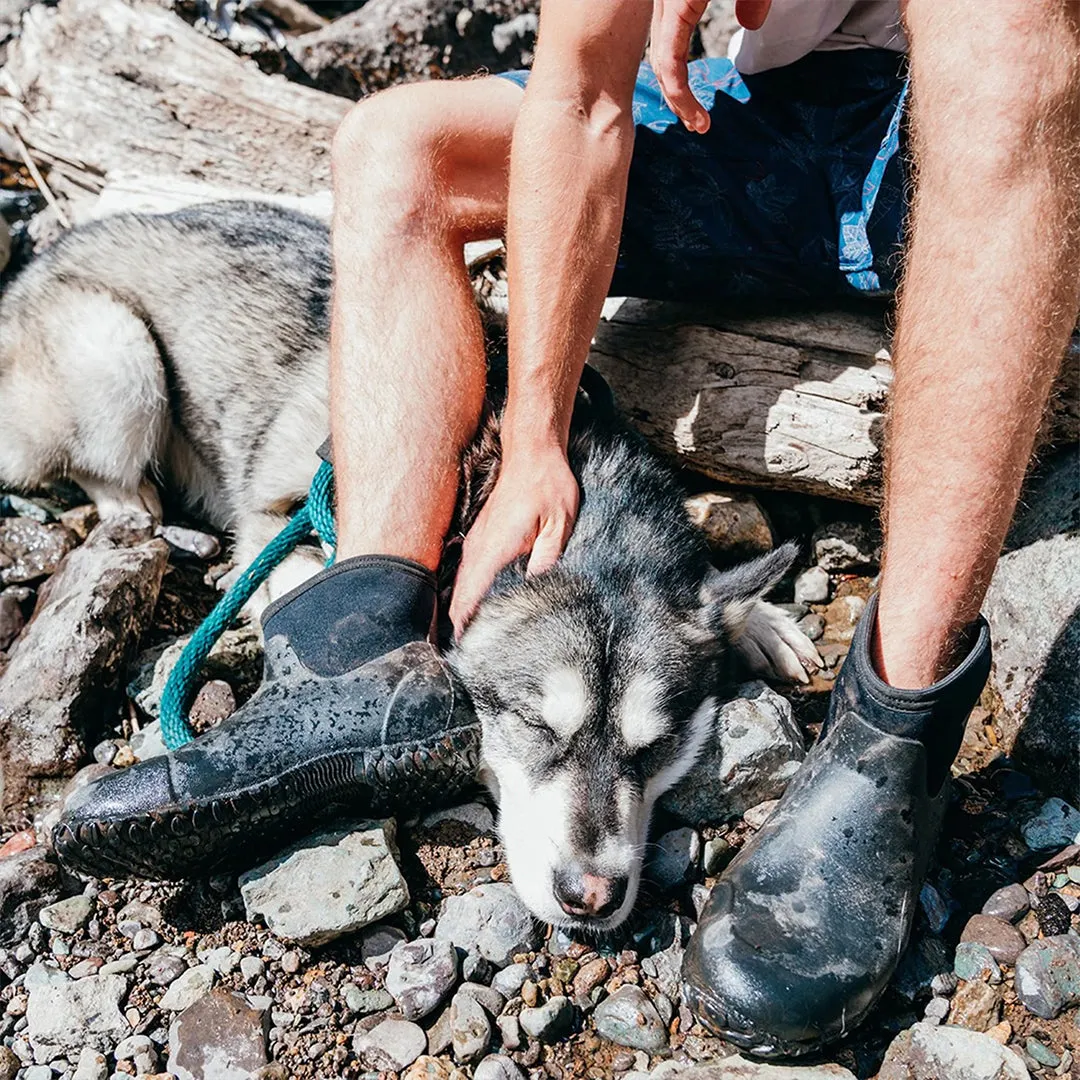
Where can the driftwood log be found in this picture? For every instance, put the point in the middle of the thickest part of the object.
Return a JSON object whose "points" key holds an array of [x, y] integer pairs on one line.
{"points": [[793, 401], [100, 86]]}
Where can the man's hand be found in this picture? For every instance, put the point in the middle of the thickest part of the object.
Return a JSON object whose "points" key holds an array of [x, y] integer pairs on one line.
{"points": [[673, 25], [531, 512]]}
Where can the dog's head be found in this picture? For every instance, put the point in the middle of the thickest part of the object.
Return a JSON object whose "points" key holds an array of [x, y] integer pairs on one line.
{"points": [[596, 694]]}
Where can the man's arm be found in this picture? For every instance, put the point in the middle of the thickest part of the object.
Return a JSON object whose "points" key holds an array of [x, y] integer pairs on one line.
{"points": [[990, 293], [569, 164]]}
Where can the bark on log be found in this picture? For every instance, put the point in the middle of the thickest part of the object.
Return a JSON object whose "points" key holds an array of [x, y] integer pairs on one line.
{"points": [[89, 617], [793, 401], [99, 86]]}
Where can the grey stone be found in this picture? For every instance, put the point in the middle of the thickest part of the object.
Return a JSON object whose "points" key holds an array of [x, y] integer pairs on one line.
{"points": [[64, 1017], [675, 858], [440, 1036], [739, 1068], [189, 541], [393, 1045], [757, 815], [716, 855], [31, 550], [844, 546], [754, 749], [629, 1018], [142, 913], [497, 1067], [1055, 825], [510, 979], [1003, 940], [327, 885], [236, 658], [162, 968], [489, 920], [488, 997], [11, 617], [144, 938], [934, 908], [975, 961], [224, 960], [377, 943], [148, 742], [937, 1008], [509, 1031], [132, 1045], [218, 1037], [1035, 623], [1010, 902], [470, 1028], [1047, 976], [92, 1065], [476, 969], [929, 1052], [812, 625], [65, 668], [475, 815], [925, 957], [121, 965], [365, 1002], [550, 1021], [66, 916], [251, 967], [734, 523], [421, 974], [812, 586], [184, 991], [38, 1072]]}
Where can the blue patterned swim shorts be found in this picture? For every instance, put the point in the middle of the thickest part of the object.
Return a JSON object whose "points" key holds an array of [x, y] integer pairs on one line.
{"points": [[798, 189]]}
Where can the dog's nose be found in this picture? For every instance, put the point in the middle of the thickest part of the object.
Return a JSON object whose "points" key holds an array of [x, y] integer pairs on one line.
{"points": [[589, 896]]}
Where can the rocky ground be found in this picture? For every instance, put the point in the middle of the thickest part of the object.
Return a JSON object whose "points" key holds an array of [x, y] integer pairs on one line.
{"points": [[385, 947], [399, 948]]}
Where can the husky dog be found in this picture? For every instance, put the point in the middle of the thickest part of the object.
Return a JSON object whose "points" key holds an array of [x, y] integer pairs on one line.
{"points": [[190, 349]]}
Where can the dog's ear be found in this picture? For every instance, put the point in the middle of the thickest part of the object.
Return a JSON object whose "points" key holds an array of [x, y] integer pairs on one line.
{"points": [[728, 596]]}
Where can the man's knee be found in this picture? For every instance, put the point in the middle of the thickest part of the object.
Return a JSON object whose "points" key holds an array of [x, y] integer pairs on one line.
{"points": [[386, 159]]}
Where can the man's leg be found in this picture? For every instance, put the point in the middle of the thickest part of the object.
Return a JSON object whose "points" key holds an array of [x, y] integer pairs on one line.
{"points": [[418, 171], [357, 708], [804, 930], [974, 372]]}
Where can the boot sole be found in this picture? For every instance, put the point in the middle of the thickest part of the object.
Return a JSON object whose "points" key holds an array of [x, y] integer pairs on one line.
{"points": [[241, 827]]}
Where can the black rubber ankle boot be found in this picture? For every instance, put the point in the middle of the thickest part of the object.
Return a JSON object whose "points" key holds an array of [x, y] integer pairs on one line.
{"points": [[357, 713], [805, 928]]}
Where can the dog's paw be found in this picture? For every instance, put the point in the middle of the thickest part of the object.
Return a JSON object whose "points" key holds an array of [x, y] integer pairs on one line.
{"points": [[771, 644]]}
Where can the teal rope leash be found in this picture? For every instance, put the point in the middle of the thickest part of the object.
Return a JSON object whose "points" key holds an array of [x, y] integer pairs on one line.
{"points": [[315, 516]]}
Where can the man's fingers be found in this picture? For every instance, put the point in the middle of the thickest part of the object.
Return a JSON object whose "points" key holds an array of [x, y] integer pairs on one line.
{"points": [[751, 13], [479, 565], [670, 49], [547, 547]]}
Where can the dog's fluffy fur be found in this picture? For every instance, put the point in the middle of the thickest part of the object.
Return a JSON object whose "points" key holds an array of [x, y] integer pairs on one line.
{"points": [[190, 350]]}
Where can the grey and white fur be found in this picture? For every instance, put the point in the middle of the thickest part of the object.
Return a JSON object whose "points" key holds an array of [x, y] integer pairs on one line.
{"points": [[190, 351]]}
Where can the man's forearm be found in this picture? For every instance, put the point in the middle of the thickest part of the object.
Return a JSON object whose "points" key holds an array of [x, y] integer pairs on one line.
{"points": [[990, 293], [568, 173]]}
